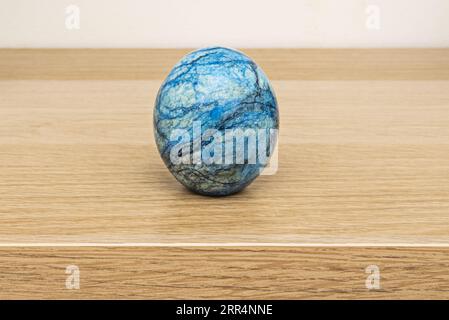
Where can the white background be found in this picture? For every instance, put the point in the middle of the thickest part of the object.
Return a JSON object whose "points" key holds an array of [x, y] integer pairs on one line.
{"points": [[235, 23]]}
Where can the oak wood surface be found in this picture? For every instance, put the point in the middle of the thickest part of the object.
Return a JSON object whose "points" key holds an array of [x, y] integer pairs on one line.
{"points": [[363, 179], [217, 273], [279, 64]]}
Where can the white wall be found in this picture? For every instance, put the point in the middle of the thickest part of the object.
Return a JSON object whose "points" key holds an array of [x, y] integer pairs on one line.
{"points": [[236, 23]]}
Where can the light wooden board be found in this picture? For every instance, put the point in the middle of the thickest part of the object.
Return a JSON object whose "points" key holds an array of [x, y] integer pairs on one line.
{"points": [[217, 273], [279, 64], [363, 179]]}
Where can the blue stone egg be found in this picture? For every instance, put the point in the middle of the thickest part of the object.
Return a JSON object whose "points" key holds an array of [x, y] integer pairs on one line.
{"points": [[216, 121]]}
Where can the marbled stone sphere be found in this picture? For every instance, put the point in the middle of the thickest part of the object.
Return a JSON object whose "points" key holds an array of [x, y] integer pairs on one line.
{"points": [[215, 121]]}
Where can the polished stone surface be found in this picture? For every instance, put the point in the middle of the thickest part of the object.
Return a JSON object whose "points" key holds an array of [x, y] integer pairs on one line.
{"points": [[210, 95]]}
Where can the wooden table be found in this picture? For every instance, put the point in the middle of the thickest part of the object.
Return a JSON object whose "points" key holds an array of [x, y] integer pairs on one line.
{"points": [[363, 180]]}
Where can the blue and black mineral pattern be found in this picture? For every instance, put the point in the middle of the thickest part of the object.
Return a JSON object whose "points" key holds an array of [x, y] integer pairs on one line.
{"points": [[210, 98]]}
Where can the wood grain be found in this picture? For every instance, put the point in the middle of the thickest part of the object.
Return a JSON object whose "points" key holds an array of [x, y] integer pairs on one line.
{"points": [[279, 64], [217, 273], [363, 179]]}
